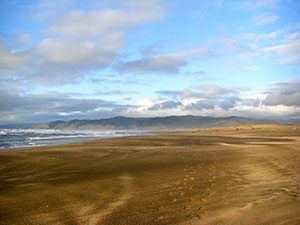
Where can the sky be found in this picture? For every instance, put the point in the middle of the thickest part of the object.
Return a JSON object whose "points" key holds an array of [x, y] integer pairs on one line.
{"points": [[68, 59]]}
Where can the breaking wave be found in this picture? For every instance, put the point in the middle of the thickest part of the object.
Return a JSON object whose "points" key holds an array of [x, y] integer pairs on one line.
{"points": [[16, 138]]}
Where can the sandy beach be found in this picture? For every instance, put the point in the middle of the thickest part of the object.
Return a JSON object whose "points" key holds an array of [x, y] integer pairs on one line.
{"points": [[246, 175]]}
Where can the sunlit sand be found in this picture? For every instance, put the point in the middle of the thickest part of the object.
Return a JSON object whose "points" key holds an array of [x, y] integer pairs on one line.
{"points": [[237, 175]]}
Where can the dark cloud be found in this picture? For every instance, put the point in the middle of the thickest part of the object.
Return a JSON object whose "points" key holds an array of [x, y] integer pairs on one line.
{"points": [[284, 93], [158, 64], [229, 102], [200, 105], [162, 63], [53, 105], [166, 105]]}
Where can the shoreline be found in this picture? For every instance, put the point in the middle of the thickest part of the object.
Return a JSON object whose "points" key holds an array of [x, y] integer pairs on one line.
{"points": [[81, 139], [211, 131]]}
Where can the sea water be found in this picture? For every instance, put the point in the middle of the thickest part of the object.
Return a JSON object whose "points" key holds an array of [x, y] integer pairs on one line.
{"points": [[17, 138]]}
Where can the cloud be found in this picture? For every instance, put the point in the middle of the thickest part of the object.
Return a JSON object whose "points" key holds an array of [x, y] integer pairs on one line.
{"points": [[203, 92], [228, 102], [281, 99], [264, 19], [49, 106], [215, 90], [206, 97], [11, 61], [200, 105], [86, 24], [158, 64], [261, 37], [166, 105], [59, 62], [288, 53], [294, 36], [284, 93], [162, 63], [116, 92], [77, 41], [286, 50]]}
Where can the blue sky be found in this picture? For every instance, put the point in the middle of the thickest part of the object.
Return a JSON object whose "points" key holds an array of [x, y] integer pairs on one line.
{"points": [[108, 58]]}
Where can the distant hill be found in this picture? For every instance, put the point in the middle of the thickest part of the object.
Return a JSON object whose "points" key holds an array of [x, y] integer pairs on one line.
{"points": [[155, 123], [16, 126]]}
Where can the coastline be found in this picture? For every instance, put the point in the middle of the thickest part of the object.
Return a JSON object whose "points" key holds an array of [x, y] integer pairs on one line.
{"points": [[31, 138], [241, 174]]}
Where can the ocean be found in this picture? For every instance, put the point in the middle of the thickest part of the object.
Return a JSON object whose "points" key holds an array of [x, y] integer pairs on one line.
{"points": [[17, 138]]}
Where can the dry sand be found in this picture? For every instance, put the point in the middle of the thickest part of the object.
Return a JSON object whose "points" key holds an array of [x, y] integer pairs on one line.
{"points": [[237, 175]]}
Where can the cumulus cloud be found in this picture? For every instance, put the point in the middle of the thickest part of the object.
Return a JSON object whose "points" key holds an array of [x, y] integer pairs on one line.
{"points": [[77, 41], [228, 102], [60, 62], [284, 93], [206, 97], [282, 99]]}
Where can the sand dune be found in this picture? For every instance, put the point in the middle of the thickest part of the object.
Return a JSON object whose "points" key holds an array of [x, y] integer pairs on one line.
{"points": [[246, 174]]}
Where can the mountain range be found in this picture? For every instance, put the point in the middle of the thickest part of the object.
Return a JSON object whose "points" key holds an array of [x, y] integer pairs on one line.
{"points": [[154, 123]]}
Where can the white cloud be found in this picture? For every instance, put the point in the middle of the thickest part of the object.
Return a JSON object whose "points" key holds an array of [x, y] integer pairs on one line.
{"points": [[264, 19], [83, 54], [255, 37], [11, 60], [294, 36], [77, 42], [85, 24], [288, 53], [215, 90]]}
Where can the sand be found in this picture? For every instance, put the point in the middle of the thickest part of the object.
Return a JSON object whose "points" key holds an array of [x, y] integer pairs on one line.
{"points": [[237, 175]]}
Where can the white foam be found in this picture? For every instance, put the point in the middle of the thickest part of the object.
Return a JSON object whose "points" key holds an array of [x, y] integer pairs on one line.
{"points": [[16, 138]]}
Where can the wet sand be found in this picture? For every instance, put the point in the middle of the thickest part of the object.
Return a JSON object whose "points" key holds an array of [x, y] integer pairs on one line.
{"points": [[238, 175]]}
